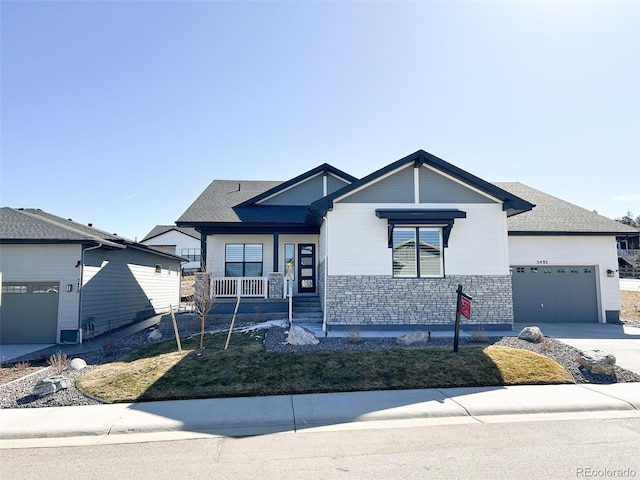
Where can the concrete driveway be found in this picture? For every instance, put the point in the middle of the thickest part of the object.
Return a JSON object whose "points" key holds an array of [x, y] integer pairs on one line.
{"points": [[11, 352], [621, 341]]}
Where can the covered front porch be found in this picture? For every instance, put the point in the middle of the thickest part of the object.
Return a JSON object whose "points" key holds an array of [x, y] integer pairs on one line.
{"points": [[259, 265]]}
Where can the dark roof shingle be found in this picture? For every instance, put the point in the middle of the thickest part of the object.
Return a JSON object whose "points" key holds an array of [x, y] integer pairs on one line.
{"points": [[553, 215]]}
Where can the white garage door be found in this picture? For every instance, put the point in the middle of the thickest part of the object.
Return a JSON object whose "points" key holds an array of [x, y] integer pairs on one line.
{"points": [[29, 312], [563, 294]]}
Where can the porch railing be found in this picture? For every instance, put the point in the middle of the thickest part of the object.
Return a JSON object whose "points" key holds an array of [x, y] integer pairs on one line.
{"points": [[240, 287], [628, 255]]}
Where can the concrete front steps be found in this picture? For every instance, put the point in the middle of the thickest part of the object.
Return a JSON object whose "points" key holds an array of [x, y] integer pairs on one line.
{"points": [[307, 309]]}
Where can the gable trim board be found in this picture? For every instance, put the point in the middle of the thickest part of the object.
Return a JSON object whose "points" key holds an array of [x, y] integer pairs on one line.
{"points": [[512, 204], [324, 170], [352, 229]]}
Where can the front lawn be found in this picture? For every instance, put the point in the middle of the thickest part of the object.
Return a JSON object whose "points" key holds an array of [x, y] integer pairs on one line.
{"points": [[159, 372]]}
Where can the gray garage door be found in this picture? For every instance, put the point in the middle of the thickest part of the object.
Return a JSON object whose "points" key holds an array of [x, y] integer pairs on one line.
{"points": [[548, 294], [29, 312]]}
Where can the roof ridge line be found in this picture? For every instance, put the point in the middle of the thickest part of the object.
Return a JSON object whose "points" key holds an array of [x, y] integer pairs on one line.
{"points": [[95, 238]]}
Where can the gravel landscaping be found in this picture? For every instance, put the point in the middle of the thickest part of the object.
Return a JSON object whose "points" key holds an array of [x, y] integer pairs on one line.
{"points": [[18, 394]]}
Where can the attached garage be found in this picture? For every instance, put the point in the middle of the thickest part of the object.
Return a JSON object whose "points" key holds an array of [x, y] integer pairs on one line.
{"points": [[29, 312], [564, 261], [554, 294]]}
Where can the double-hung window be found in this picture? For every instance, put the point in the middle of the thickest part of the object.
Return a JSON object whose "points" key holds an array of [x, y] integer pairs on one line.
{"points": [[243, 260], [417, 252]]}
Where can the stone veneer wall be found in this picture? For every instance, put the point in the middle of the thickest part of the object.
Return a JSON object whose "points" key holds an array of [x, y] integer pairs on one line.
{"points": [[320, 282], [384, 300], [275, 282]]}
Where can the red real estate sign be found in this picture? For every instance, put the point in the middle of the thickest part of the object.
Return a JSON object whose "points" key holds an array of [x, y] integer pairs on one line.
{"points": [[465, 307]]}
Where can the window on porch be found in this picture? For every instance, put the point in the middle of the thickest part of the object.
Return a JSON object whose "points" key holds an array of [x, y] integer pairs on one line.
{"points": [[243, 260]]}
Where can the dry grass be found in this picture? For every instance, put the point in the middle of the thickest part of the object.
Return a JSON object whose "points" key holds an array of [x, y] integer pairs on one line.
{"points": [[156, 373], [629, 301], [10, 373], [58, 362]]}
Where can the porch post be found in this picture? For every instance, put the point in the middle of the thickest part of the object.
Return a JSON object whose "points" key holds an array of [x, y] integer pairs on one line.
{"points": [[275, 252], [203, 249]]}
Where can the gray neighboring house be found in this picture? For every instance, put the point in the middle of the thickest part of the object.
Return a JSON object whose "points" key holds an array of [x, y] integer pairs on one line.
{"points": [[389, 249], [63, 282], [181, 241]]}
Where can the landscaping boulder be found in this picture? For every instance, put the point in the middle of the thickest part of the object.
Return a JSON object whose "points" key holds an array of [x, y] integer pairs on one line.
{"points": [[51, 385], [155, 335], [531, 334], [77, 364], [412, 338], [300, 336], [597, 361]]}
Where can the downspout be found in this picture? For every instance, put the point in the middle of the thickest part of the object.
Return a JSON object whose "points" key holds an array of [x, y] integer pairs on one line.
{"points": [[326, 269], [82, 285]]}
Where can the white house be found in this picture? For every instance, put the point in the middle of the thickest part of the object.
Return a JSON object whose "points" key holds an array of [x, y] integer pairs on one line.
{"points": [[64, 282], [390, 249], [181, 241]]}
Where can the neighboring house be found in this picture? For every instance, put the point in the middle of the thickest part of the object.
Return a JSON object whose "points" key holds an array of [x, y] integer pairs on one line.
{"points": [[181, 241], [390, 249], [64, 282]]}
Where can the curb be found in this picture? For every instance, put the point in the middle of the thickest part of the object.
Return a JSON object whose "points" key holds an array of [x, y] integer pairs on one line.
{"points": [[247, 416]]}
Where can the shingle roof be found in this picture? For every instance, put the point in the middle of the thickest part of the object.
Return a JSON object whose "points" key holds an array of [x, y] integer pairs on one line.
{"points": [[218, 204], [160, 229], [552, 215], [35, 226]]}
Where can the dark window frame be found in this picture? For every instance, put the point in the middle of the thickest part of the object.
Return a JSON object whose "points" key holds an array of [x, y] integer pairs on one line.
{"points": [[417, 251], [244, 263]]}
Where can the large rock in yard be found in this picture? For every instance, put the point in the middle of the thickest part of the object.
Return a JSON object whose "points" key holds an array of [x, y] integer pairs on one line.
{"points": [[155, 335], [531, 334], [77, 364], [597, 361], [299, 336], [51, 385], [412, 338]]}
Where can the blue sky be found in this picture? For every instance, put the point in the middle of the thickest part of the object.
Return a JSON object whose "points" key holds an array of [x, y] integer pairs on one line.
{"points": [[121, 113]]}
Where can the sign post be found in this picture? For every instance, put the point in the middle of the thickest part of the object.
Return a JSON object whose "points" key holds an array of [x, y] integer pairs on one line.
{"points": [[463, 307]]}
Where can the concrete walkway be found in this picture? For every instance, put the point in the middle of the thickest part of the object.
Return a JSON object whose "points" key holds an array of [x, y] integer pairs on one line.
{"points": [[289, 413], [20, 352]]}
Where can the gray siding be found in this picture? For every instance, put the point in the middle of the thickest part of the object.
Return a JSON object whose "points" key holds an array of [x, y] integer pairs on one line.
{"points": [[397, 188], [435, 188], [301, 194], [334, 184], [122, 286], [377, 300]]}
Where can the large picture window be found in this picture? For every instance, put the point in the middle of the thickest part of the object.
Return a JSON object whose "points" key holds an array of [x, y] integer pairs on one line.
{"points": [[243, 260], [417, 252]]}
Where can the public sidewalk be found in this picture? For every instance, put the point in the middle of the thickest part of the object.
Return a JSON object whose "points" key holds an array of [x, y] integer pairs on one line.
{"points": [[290, 413]]}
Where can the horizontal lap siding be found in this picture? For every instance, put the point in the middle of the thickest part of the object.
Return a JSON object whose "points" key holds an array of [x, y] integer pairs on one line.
{"points": [[123, 286], [57, 263]]}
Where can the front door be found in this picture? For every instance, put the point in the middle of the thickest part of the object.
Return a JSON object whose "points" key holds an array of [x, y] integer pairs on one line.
{"points": [[306, 268]]}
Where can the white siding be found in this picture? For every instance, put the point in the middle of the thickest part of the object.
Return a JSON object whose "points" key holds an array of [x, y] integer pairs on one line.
{"points": [[120, 286], [573, 250], [177, 239], [56, 263], [358, 242], [216, 248]]}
